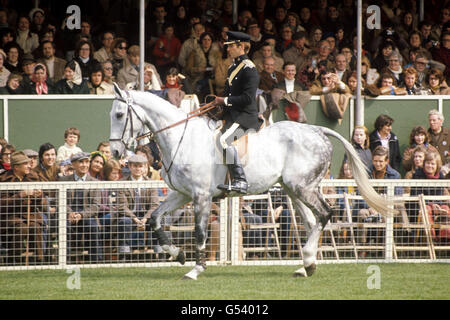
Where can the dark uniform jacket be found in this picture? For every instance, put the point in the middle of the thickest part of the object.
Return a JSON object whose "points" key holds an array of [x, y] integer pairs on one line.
{"points": [[241, 93]]}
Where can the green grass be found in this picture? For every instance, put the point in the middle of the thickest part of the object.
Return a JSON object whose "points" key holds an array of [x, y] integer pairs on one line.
{"points": [[343, 281]]}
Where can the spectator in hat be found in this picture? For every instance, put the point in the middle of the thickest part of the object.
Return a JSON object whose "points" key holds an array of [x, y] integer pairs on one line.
{"points": [[82, 210], [298, 52], [21, 210], [72, 82], [40, 84], [28, 64], [4, 72], [135, 205], [32, 155]]}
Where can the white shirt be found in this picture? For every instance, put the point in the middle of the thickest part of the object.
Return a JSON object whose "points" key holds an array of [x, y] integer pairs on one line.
{"points": [[289, 85], [50, 67]]}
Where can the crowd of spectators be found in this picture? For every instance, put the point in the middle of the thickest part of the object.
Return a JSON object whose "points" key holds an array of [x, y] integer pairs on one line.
{"points": [[41, 55], [295, 45]]}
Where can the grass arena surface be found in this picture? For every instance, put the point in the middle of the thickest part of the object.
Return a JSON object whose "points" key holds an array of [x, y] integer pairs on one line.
{"points": [[330, 281]]}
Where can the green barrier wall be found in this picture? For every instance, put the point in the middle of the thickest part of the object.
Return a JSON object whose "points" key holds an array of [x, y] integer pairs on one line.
{"points": [[36, 121]]}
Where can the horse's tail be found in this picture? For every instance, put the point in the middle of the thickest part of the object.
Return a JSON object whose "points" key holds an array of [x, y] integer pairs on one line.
{"points": [[377, 202]]}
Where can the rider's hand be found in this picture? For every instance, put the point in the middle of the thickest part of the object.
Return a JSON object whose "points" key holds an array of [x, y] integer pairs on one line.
{"points": [[219, 101]]}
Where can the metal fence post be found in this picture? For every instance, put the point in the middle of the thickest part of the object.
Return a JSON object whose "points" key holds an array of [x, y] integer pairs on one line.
{"points": [[62, 226]]}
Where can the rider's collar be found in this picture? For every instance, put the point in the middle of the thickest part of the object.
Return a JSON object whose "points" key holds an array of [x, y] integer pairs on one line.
{"points": [[240, 58]]}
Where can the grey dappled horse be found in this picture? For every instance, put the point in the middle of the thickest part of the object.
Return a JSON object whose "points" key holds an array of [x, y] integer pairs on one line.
{"points": [[292, 154]]}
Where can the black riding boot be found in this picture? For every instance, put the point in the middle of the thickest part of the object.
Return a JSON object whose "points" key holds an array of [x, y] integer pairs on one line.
{"points": [[238, 180]]}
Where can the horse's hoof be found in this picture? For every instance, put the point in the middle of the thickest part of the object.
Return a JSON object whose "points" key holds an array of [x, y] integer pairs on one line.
{"points": [[300, 273], [310, 270], [181, 258]]}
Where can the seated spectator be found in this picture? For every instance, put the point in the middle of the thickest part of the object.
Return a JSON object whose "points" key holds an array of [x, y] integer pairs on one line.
{"points": [[119, 53], [370, 75], [381, 60], [394, 67], [135, 205], [105, 52], [254, 31], [190, 44], [417, 157], [293, 20], [436, 83], [417, 137], [410, 84], [84, 55], [55, 66], [14, 55], [268, 27], [383, 135], [72, 83], [314, 37], [97, 161], [26, 39], [435, 209], [442, 54], [129, 72], [439, 135], [201, 64], [108, 71], [167, 49], [267, 50], [32, 155], [28, 64], [269, 77], [39, 83], [4, 72], [23, 225], [71, 138], [387, 85], [48, 169], [13, 86], [284, 42], [96, 82], [298, 53], [407, 25], [342, 68], [290, 84], [82, 211], [331, 38], [175, 80], [324, 55], [6, 35], [305, 18], [328, 82], [150, 80], [5, 157], [428, 39]]}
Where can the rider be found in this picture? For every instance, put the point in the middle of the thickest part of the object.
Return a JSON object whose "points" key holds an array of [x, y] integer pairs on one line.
{"points": [[241, 111]]}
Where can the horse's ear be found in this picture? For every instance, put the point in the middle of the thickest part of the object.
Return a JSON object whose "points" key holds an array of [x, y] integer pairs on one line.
{"points": [[118, 91]]}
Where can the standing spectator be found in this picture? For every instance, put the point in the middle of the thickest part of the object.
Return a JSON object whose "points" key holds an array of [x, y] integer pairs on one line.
{"points": [[26, 39], [442, 54], [105, 52], [4, 73], [407, 25], [166, 49], [72, 82], [84, 55], [23, 226], [436, 83], [290, 84], [55, 66], [135, 205], [96, 83], [40, 84], [259, 12], [269, 77], [82, 210], [130, 71], [418, 137], [439, 135], [360, 141], [383, 135], [156, 25], [243, 17], [182, 24], [71, 138], [14, 55], [319, 14], [47, 169], [298, 52], [190, 44], [201, 64]]}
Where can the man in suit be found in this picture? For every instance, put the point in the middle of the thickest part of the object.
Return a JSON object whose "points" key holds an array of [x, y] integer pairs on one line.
{"points": [[82, 209], [241, 113], [269, 76], [55, 66]]}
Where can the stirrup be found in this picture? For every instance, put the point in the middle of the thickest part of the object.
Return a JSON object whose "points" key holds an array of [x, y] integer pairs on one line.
{"points": [[236, 186]]}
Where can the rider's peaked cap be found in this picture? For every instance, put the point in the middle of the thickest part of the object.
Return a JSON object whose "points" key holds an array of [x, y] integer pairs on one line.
{"points": [[236, 37]]}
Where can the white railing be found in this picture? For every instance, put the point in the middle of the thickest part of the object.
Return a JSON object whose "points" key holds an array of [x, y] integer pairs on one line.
{"points": [[236, 237]]}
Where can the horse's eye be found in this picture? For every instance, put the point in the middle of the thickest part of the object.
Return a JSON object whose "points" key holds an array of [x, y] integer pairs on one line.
{"points": [[119, 115]]}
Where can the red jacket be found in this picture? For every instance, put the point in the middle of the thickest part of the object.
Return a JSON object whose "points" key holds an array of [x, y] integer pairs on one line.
{"points": [[164, 45]]}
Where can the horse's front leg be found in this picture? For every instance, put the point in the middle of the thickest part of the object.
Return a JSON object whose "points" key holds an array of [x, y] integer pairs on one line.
{"points": [[173, 201], [202, 208]]}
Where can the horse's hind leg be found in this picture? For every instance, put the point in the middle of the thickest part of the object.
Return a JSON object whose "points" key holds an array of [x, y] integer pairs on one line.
{"points": [[202, 207], [315, 214]]}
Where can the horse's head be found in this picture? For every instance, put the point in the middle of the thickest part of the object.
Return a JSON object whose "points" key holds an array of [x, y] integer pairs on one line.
{"points": [[126, 122]]}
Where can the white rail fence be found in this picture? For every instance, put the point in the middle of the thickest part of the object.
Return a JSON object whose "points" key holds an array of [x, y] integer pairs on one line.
{"points": [[39, 229]]}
